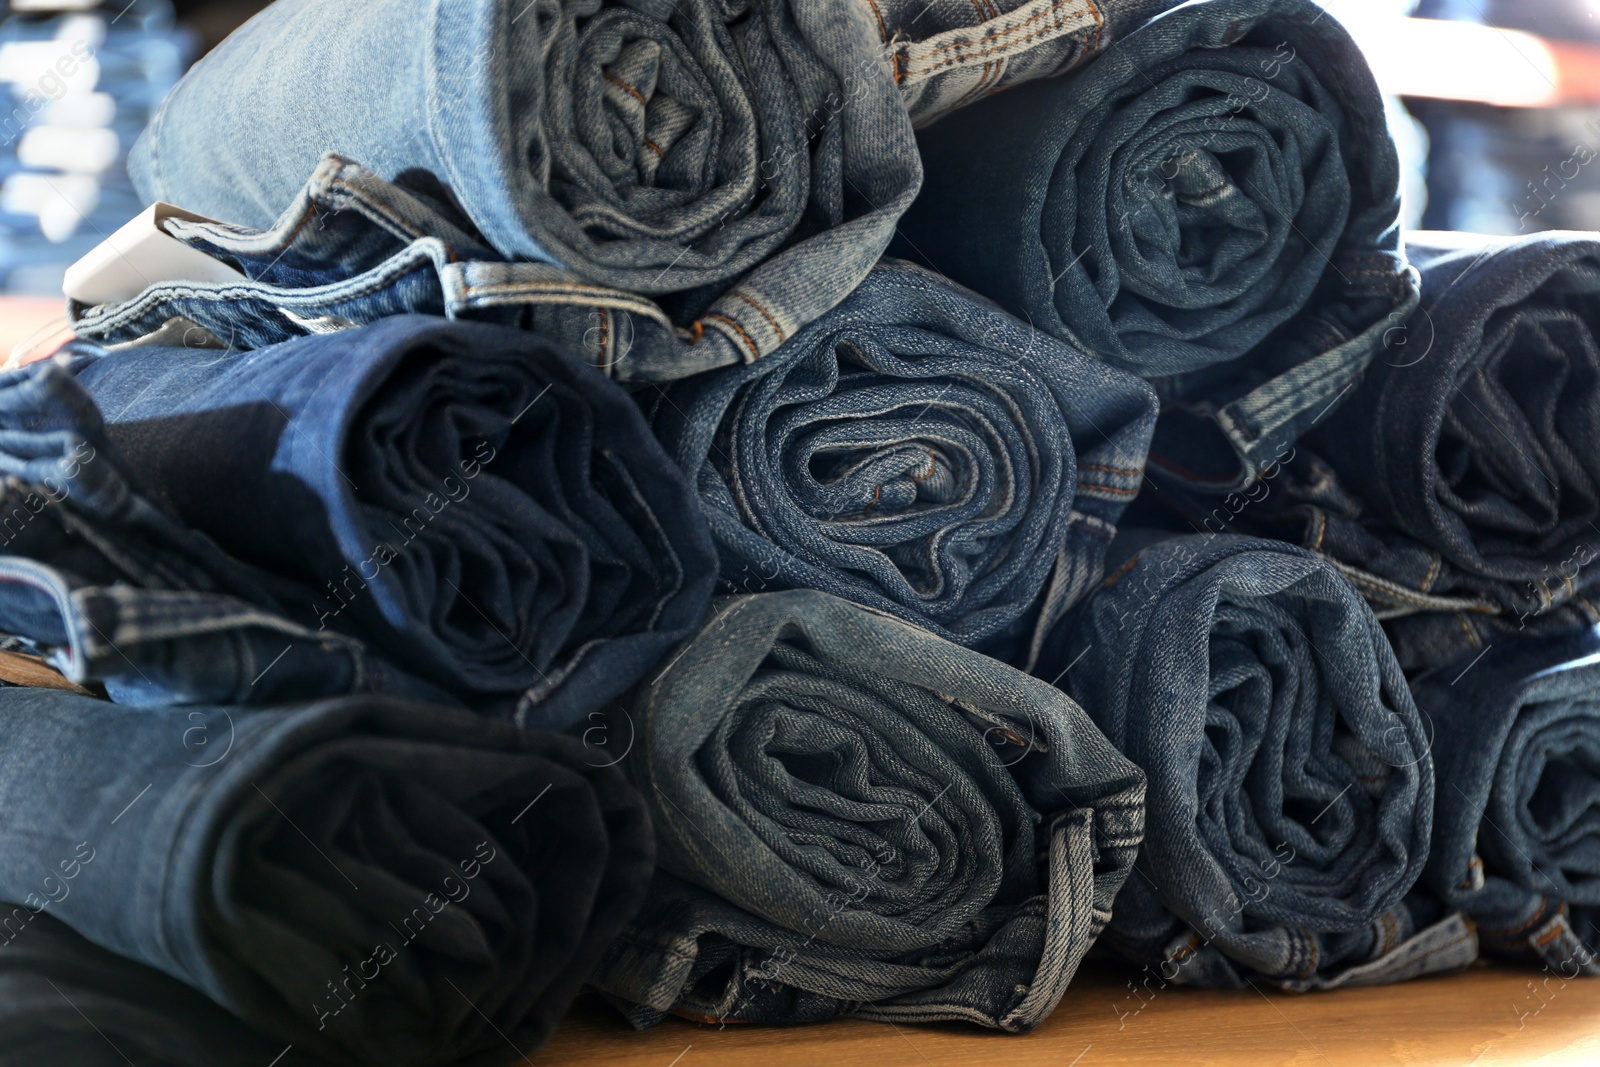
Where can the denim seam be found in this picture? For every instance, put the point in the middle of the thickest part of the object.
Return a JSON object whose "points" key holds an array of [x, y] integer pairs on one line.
{"points": [[1080, 8]]}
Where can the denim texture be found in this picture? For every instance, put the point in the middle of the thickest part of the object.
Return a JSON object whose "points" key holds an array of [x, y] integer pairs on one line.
{"points": [[352, 248], [1516, 834], [1471, 449], [945, 56], [855, 817], [919, 451], [1212, 203], [64, 1000], [370, 880], [1291, 790], [478, 505], [99, 576], [748, 160]]}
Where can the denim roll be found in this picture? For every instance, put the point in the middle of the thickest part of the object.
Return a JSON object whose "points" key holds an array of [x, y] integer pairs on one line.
{"points": [[855, 817], [919, 451], [473, 502], [743, 160], [1516, 833], [369, 880], [1475, 440], [101, 578], [66, 1000], [1212, 203], [1291, 790]]}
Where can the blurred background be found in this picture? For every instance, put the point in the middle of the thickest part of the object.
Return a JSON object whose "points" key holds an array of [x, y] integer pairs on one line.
{"points": [[1495, 105]]}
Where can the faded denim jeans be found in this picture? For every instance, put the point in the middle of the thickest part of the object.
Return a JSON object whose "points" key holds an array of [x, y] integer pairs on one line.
{"points": [[1212, 203], [1516, 833], [373, 881], [919, 451], [476, 504], [855, 817], [1291, 789], [744, 162]]}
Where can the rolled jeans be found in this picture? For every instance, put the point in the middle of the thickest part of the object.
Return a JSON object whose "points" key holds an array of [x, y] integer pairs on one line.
{"points": [[743, 162], [919, 451], [1291, 789], [1516, 831], [1211, 203], [855, 817]]}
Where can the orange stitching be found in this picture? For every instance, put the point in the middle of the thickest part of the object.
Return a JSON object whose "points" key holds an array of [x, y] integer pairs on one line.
{"points": [[637, 95], [989, 52], [1322, 530], [772, 321], [754, 351], [699, 332], [1472, 638], [1432, 572], [876, 494], [1111, 470], [605, 321], [898, 73], [1124, 569], [1007, 31], [1555, 932], [1099, 24], [1108, 489], [654, 148], [883, 31], [933, 465]]}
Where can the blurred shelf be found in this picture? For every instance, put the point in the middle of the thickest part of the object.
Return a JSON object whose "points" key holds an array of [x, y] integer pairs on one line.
{"points": [[1486, 1016]]}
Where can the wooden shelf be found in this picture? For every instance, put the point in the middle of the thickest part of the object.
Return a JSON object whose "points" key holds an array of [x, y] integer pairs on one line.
{"points": [[1470, 1018]]}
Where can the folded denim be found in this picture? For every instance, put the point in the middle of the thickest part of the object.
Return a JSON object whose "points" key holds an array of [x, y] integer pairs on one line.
{"points": [[749, 157], [1475, 439], [919, 451], [1428, 640], [1291, 791], [370, 880], [1516, 833], [99, 576], [471, 501], [1213, 204], [353, 248], [855, 817], [945, 56], [64, 1000]]}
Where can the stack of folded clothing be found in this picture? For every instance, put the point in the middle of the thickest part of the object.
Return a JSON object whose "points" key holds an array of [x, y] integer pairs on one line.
{"points": [[505, 525]]}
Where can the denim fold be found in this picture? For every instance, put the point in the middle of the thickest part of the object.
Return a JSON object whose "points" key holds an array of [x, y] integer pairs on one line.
{"points": [[857, 818], [375, 881], [1211, 203], [743, 160], [473, 502], [103, 580], [1516, 834], [919, 451], [65, 1000], [1291, 789], [1464, 463]]}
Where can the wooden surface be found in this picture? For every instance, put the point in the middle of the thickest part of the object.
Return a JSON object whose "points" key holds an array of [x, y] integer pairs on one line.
{"points": [[1489, 1015]]}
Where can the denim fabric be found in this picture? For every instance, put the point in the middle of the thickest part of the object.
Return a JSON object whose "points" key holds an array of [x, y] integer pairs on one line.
{"points": [[477, 504], [749, 157], [1427, 640], [946, 55], [1516, 833], [1472, 448], [919, 451], [1212, 203], [855, 817], [1291, 790], [103, 579], [64, 1000], [388, 883], [353, 248]]}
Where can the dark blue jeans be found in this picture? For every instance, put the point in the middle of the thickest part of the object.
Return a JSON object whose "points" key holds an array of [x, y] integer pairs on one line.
{"points": [[856, 817], [66, 1000], [375, 881], [1516, 833], [744, 163], [919, 451], [1291, 790], [1211, 203], [101, 577], [473, 502]]}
